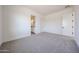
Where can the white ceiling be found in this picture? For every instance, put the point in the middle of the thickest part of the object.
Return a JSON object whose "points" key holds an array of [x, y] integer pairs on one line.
{"points": [[46, 9]]}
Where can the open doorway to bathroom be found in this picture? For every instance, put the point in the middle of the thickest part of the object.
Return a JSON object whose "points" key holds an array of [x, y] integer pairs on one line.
{"points": [[32, 24]]}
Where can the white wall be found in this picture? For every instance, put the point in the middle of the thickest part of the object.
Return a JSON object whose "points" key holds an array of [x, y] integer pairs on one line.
{"points": [[53, 21], [42, 23], [0, 25], [17, 22], [76, 8]]}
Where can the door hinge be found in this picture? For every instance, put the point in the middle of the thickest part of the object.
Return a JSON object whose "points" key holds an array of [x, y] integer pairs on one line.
{"points": [[72, 14], [72, 33], [72, 20], [72, 26]]}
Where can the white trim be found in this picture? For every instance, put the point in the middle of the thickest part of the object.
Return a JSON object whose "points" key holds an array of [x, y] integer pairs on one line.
{"points": [[15, 38]]}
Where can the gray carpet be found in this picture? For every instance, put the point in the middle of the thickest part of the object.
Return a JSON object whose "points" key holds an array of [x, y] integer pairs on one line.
{"points": [[42, 43]]}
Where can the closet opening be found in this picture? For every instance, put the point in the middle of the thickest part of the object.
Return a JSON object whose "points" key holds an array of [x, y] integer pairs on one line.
{"points": [[32, 24]]}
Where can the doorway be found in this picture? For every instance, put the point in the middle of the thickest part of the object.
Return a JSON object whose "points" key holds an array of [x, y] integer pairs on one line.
{"points": [[32, 24]]}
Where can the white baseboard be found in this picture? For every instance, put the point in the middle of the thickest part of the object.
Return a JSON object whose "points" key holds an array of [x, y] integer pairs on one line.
{"points": [[15, 38]]}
